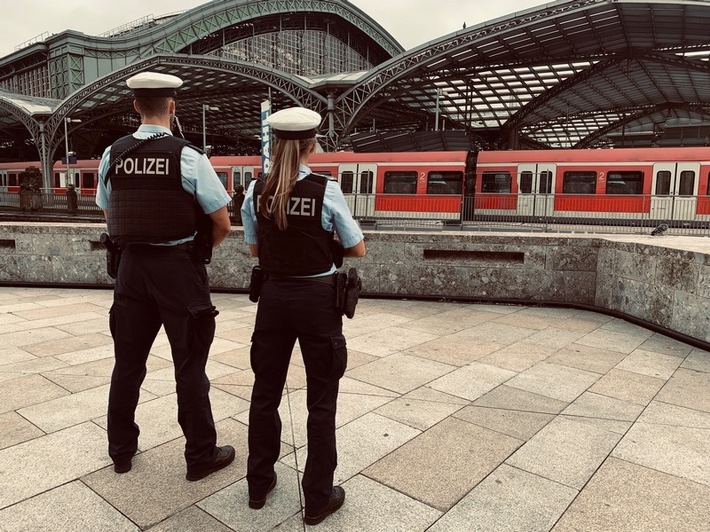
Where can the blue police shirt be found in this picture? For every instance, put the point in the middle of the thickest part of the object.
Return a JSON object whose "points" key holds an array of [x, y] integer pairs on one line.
{"points": [[335, 215], [198, 177]]}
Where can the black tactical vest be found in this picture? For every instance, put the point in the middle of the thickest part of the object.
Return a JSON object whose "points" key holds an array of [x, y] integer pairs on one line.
{"points": [[304, 247], [147, 202]]}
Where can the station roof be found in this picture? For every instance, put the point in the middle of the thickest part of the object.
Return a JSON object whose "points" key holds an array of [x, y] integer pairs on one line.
{"points": [[570, 73]]}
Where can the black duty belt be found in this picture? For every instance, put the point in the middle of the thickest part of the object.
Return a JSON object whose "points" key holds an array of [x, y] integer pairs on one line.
{"points": [[324, 279]]}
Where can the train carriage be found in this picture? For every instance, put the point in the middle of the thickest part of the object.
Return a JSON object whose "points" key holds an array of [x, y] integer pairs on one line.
{"points": [[558, 186]]}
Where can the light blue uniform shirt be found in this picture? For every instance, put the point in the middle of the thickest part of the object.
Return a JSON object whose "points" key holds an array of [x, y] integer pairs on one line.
{"points": [[198, 177], [335, 215]]}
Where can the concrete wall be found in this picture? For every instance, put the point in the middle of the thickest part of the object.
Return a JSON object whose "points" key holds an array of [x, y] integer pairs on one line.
{"points": [[660, 280]]}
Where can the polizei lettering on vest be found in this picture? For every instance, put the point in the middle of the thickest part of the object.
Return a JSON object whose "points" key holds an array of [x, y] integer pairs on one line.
{"points": [[296, 206], [144, 166]]}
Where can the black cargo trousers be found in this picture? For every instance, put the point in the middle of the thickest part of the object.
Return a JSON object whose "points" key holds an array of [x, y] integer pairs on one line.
{"points": [[290, 310], [160, 285]]}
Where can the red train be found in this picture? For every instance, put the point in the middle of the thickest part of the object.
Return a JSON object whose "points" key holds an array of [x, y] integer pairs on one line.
{"points": [[655, 184]]}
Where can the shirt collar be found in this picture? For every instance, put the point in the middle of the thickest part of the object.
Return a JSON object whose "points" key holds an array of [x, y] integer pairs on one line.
{"points": [[303, 171], [152, 128]]}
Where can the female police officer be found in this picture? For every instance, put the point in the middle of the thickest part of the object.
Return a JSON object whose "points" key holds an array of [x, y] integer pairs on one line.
{"points": [[289, 217]]}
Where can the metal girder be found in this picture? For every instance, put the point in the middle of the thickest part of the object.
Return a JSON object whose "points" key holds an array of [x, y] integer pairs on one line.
{"points": [[425, 58], [213, 16], [638, 113], [292, 87]]}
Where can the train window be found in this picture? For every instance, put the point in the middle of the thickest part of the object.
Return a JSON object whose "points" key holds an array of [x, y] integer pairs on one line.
{"points": [[687, 183], [496, 182], [400, 183], [366, 179], [624, 183], [663, 183], [579, 183], [12, 180], [545, 182], [444, 183], [87, 180], [526, 182], [346, 182], [247, 179], [236, 178], [57, 180], [223, 178]]}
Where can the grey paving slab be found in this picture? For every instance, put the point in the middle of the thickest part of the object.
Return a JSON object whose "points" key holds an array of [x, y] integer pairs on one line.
{"points": [[554, 338], [70, 410], [13, 355], [499, 333], [76, 383], [514, 399], [613, 340], [662, 344], [364, 441], [554, 380], [679, 451], [62, 310], [36, 365], [463, 455], [230, 507], [687, 388], [508, 500], [515, 423], [519, 356], [626, 497], [587, 358], [450, 320], [27, 390], [399, 372], [593, 405], [565, 451], [365, 501], [472, 381], [16, 429], [628, 386], [388, 341], [237, 358], [156, 489], [659, 413], [44, 463], [650, 364], [698, 360], [455, 350], [191, 519], [417, 413], [69, 507]]}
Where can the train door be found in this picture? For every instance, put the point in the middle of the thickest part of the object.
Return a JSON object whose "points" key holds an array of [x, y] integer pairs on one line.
{"points": [[536, 183], [357, 181], [674, 191], [242, 175]]}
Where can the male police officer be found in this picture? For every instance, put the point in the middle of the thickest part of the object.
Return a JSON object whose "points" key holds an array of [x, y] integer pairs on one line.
{"points": [[152, 188]]}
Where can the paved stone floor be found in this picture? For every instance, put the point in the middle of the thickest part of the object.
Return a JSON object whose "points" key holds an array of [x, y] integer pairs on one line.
{"points": [[452, 417]]}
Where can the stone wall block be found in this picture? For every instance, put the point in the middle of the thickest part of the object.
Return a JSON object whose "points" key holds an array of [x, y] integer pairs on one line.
{"points": [[691, 315]]}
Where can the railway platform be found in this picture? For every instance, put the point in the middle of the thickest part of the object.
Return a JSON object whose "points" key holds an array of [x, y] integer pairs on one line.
{"points": [[451, 417]]}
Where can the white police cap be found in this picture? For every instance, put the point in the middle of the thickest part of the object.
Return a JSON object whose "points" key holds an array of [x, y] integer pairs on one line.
{"points": [[294, 123], [155, 84]]}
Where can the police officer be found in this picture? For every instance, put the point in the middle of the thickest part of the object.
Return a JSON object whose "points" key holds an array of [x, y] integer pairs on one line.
{"points": [[153, 188], [289, 217]]}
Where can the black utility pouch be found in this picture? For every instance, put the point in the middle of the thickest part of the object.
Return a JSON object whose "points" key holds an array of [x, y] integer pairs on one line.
{"points": [[257, 278]]}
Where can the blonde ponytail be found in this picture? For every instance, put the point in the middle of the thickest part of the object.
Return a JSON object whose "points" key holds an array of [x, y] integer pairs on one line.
{"points": [[280, 181]]}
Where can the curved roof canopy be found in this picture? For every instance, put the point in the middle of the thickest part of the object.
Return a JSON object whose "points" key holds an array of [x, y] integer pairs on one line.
{"points": [[582, 73]]}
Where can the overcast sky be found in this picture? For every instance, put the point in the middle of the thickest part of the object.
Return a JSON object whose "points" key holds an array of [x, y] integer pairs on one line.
{"points": [[411, 22]]}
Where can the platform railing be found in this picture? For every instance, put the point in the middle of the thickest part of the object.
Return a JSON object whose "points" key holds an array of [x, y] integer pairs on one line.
{"points": [[627, 214]]}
